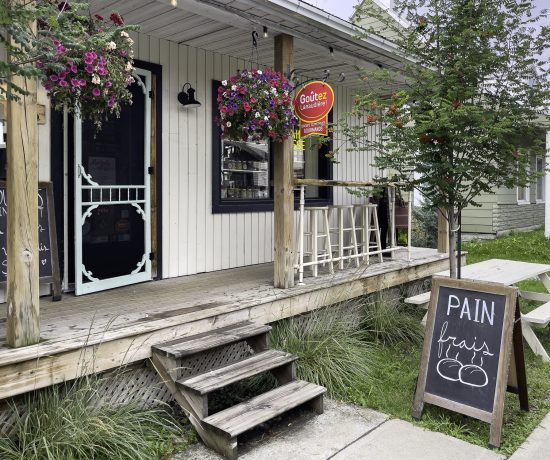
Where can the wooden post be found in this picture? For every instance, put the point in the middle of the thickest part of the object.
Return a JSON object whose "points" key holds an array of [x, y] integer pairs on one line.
{"points": [[283, 185], [23, 322], [442, 232]]}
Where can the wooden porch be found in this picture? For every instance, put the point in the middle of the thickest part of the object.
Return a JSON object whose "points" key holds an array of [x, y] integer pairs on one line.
{"points": [[101, 331]]}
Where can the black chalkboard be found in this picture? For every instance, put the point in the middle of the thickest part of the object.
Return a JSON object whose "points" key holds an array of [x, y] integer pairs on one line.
{"points": [[465, 346], [467, 350], [48, 256]]}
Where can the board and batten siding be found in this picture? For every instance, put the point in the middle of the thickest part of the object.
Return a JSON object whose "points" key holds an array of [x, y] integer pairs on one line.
{"points": [[193, 239]]}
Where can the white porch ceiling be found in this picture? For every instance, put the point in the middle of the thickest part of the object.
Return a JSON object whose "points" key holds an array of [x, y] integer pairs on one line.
{"points": [[225, 26]]}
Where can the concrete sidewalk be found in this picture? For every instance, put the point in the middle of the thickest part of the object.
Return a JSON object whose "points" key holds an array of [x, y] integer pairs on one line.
{"points": [[346, 432], [537, 445]]}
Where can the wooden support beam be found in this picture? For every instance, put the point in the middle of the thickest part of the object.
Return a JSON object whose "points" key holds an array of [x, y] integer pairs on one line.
{"points": [[442, 232], [23, 322], [283, 185]]}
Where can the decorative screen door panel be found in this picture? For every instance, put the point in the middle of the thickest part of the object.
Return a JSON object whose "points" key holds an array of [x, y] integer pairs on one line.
{"points": [[112, 196]]}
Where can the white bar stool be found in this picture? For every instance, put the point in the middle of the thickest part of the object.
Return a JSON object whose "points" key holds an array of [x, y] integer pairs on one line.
{"points": [[368, 216], [315, 232], [347, 236]]}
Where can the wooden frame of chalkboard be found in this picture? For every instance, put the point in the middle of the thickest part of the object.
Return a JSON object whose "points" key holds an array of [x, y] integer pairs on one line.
{"points": [[54, 277], [451, 375]]}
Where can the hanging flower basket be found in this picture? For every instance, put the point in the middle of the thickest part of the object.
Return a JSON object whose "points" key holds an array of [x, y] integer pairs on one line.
{"points": [[90, 77], [256, 105]]}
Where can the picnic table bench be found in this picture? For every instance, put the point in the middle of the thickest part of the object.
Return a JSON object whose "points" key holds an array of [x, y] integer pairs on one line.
{"points": [[508, 272]]}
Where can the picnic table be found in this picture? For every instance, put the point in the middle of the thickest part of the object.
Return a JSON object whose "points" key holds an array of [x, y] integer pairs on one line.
{"points": [[510, 272]]}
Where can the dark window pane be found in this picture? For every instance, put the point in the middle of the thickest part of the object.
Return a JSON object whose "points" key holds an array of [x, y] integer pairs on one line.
{"points": [[245, 170]]}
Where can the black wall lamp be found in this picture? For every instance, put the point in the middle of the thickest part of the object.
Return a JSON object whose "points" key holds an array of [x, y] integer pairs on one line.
{"points": [[187, 98]]}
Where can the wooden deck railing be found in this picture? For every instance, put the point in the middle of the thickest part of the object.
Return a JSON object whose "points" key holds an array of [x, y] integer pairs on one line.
{"points": [[303, 183]]}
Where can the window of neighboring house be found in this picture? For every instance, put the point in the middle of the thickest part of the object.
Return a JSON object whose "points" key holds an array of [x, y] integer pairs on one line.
{"points": [[242, 172], [541, 180], [523, 195]]}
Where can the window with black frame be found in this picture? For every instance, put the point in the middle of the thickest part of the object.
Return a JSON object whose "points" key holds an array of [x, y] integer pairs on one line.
{"points": [[242, 171]]}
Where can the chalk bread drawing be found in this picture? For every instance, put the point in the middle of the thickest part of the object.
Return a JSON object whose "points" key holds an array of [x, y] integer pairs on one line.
{"points": [[454, 369]]}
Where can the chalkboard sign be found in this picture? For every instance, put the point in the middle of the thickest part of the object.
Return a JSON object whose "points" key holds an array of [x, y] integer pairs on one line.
{"points": [[467, 350], [47, 245]]}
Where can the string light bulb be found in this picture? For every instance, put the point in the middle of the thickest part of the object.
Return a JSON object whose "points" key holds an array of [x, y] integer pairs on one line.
{"points": [[174, 3], [265, 31], [331, 51]]}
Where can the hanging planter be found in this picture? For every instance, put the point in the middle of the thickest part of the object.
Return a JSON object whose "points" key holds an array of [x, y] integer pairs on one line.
{"points": [[256, 105], [89, 75]]}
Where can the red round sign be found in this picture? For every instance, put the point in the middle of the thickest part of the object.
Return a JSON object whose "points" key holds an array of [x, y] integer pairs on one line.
{"points": [[314, 101]]}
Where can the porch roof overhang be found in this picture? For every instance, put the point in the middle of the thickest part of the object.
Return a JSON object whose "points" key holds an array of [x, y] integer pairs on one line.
{"points": [[225, 26]]}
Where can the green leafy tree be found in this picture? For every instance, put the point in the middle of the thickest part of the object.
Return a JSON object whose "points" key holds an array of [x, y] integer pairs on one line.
{"points": [[467, 108]]}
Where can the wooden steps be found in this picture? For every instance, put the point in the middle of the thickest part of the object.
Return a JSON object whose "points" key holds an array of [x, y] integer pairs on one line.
{"points": [[195, 367], [243, 417], [199, 343], [222, 377]]}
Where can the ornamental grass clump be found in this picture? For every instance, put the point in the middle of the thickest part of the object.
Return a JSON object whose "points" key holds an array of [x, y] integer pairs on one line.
{"points": [[66, 422], [330, 349], [386, 320], [256, 105]]}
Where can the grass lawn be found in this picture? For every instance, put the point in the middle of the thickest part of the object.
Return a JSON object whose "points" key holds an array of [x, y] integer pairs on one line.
{"points": [[392, 389]]}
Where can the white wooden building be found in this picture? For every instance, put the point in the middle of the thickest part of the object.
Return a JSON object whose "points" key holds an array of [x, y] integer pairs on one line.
{"points": [[153, 182], [200, 43]]}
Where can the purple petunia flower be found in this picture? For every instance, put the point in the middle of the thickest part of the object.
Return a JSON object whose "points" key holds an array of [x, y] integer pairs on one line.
{"points": [[96, 92], [54, 78], [63, 83], [89, 69]]}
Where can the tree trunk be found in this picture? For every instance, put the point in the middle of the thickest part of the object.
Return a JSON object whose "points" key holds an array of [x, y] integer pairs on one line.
{"points": [[452, 243]]}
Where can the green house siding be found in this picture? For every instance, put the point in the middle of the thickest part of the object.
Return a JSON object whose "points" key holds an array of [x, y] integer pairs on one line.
{"points": [[479, 219], [500, 213]]}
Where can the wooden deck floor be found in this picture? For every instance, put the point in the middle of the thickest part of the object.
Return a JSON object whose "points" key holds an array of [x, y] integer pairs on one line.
{"points": [[103, 330]]}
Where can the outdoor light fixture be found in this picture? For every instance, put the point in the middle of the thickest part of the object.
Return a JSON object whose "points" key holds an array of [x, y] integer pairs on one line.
{"points": [[187, 98], [265, 32], [331, 51]]}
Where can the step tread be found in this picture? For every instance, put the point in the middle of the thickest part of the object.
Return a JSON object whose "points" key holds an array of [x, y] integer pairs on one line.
{"points": [[187, 346], [248, 367], [245, 416]]}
